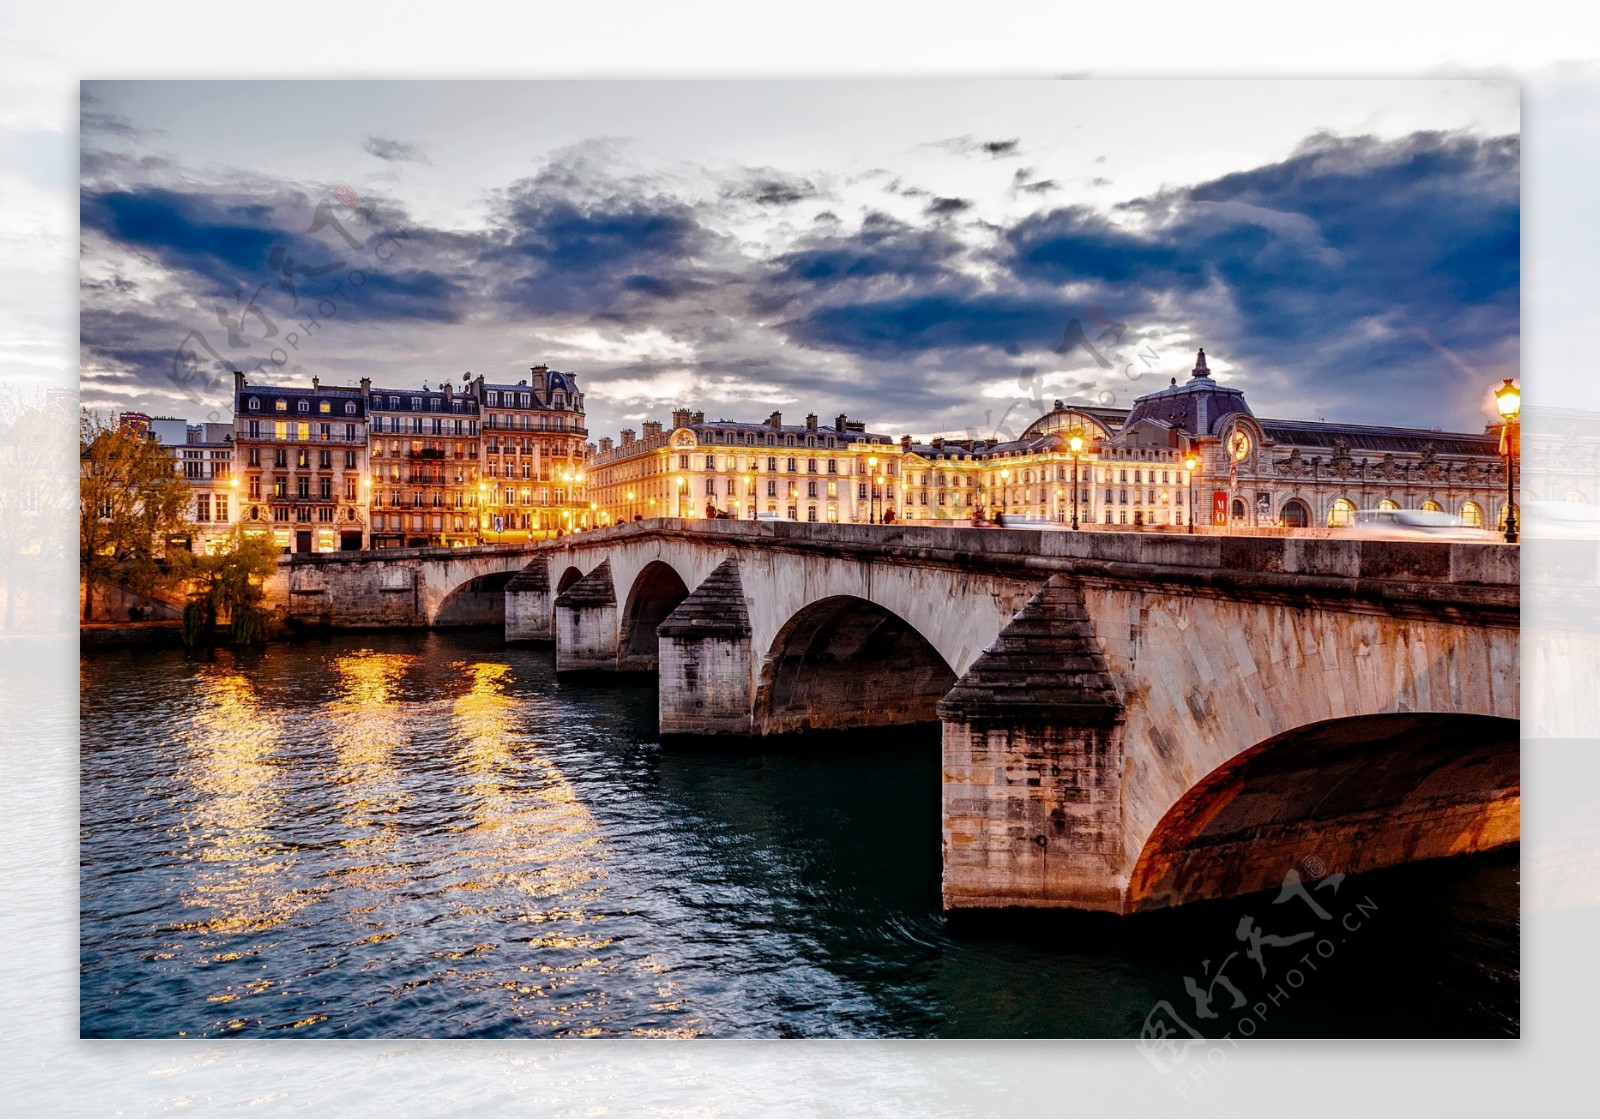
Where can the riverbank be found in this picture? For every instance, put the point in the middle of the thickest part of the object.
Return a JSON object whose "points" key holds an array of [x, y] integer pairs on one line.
{"points": [[163, 633]]}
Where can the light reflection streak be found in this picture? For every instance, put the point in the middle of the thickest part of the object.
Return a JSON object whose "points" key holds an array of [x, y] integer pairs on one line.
{"points": [[539, 838], [231, 744]]}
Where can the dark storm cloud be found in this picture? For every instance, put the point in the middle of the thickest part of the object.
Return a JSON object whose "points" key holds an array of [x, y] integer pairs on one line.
{"points": [[228, 244], [882, 248], [967, 146], [394, 151], [772, 188], [946, 207], [613, 256], [1342, 265]]}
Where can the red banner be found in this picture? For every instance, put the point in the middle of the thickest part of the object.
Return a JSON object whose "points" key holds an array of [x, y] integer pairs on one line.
{"points": [[1219, 507]]}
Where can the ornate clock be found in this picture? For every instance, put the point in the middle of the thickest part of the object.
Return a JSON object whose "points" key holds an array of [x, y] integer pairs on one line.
{"points": [[1239, 445]]}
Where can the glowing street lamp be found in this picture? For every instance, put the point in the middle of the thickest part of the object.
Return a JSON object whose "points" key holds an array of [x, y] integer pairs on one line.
{"points": [[1005, 489], [1075, 445], [1190, 464], [1508, 399]]}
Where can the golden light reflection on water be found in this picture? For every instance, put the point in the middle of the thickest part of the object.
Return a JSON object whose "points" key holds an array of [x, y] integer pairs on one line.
{"points": [[231, 745], [536, 836]]}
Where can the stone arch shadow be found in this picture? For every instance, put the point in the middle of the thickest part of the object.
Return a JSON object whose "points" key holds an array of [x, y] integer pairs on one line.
{"points": [[845, 662], [1350, 795], [569, 577], [657, 591], [481, 601]]}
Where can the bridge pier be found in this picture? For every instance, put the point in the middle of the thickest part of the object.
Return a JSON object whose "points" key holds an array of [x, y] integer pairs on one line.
{"points": [[707, 664], [530, 606], [1033, 766], [586, 624]]}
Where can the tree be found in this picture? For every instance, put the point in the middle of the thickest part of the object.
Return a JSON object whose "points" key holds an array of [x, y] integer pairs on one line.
{"points": [[227, 584], [130, 501]]}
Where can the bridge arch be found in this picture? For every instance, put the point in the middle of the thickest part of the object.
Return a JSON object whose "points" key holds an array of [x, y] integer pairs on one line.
{"points": [[568, 577], [1349, 795], [657, 591], [845, 662], [480, 601]]}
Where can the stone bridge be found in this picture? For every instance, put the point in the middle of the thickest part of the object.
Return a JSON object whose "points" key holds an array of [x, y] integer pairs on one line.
{"points": [[1130, 720], [396, 587]]}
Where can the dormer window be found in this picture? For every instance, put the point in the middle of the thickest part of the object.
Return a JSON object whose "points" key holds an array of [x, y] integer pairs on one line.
{"points": [[254, 404], [324, 407], [416, 404], [494, 398], [304, 406], [282, 406], [349, 408]]}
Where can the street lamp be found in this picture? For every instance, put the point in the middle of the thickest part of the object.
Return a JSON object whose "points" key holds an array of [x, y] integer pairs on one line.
{"points": [[683, 492], [1508, 399], [1005, 490], [872, 506], [1075, 444], [1190, 464]]}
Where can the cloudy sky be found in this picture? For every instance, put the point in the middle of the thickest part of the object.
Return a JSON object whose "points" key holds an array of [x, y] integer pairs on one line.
{"points": [[916, 254]]}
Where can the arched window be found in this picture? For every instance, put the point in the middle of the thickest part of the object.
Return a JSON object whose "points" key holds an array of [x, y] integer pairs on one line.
{"points": [[1342, 513], [1388, 503], [1238, 509], [1472, 514], [1296, 514], [1501, 522], [1432, 506], [1575, 496]]}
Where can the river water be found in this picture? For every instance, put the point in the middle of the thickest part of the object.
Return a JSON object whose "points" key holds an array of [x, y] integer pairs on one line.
{"points": [[424, 835]]}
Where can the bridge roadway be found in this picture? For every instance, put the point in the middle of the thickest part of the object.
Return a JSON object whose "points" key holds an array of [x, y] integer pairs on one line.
{"points": [[1130, 720]]}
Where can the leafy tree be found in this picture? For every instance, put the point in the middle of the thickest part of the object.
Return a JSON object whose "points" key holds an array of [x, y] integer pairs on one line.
{"points": [[130, 500], [227, 584]]}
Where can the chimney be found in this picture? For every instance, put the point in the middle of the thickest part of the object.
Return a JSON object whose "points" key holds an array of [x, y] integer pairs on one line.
{"points": [[627, 436], [238, 381], [315, 381], [839, 422], [811, 421], [605, 443], [651, 428], [680, 417], [447, 391], [775, 420], [699, 418], [366, 385], [905, 443], [938, 443], [540, 368]]}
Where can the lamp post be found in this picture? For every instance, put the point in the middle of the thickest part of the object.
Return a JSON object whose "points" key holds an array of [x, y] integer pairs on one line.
{"points": [[1076, 446], [872, 505], [683, 490], [1190, 464], [1005, 490], [1508, 399]]}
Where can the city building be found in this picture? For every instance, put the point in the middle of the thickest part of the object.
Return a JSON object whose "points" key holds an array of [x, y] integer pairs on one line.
{"points": [[426, 466], [729, 468], [1192, 453], [203, 455], [301, 455], [535, 457]]}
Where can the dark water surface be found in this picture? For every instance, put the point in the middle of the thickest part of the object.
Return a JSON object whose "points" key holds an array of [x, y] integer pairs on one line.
{"points": [[424, 835]]}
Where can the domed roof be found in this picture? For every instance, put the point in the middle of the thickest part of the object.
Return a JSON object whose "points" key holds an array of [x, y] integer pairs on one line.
{"points": [[1064, 419], [1197, 406]]}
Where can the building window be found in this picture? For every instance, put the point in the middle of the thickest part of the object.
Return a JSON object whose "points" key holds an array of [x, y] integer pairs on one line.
{"points": [[711, 486], [811, 513], [202, 507], [281, 406], [222, 507], [1472, 514], [1342, 513]]}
